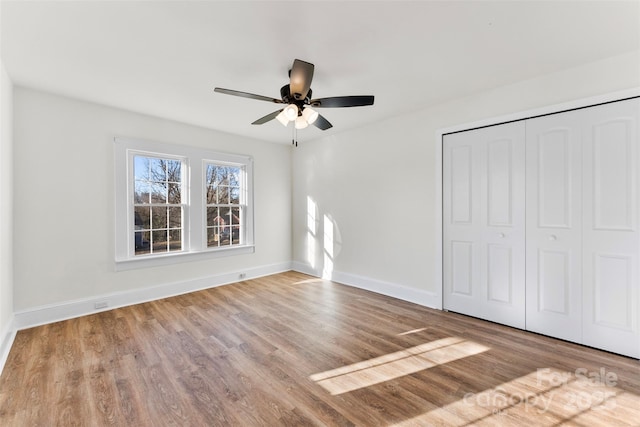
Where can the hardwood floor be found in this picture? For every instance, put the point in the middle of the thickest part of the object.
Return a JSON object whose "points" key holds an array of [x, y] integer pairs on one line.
{"points": [[290, 349]]}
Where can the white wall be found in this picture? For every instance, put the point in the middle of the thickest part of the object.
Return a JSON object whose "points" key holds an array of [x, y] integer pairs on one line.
{"points": [[6, 212], [378, 184], [64, 202]]}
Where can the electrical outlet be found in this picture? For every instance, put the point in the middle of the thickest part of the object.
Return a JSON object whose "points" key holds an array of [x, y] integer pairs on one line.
{"points": [[242, 275], [101, 304]]}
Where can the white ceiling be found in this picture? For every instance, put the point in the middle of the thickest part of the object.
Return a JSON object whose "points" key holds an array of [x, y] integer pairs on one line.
{"points": [[165, 57]]}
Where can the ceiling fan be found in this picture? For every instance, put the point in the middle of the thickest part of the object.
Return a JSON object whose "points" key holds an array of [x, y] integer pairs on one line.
{"points": [[297, 97]]}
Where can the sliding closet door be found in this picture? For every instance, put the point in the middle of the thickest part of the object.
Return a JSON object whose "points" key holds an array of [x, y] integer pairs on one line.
{"points": [[484, 223], [611, 240], [554, 225]]}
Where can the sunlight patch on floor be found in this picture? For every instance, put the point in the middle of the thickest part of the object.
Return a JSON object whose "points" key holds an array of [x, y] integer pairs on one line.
{"points": [[413, 331], [310, 281], [547, 397], [397, 364]]}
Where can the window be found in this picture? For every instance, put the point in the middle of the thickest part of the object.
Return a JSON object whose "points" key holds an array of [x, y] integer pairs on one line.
{"points": [[174, 202], [157, 204], [225, 204]]}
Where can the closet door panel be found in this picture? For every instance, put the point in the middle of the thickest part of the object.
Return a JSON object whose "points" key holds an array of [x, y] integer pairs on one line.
{"points": [[483, 195], [502, 211], [461, 268], [461, 218], [460, 158], [612, 291], [554, 289], [555, 182], [500, 203], [554, 226], [611, 250], [499, 278], [612, 164]]}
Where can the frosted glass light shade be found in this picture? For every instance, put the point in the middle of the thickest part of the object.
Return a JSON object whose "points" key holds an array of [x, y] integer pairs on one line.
{"points": [[282, 118], [291, 112], [301, 123], [309, 115]]}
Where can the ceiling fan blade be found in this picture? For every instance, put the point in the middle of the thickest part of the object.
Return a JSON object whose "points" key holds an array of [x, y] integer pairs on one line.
{"points": [[247, 95], [342, 101], [322, 123], [267, 118], [300, 79]]}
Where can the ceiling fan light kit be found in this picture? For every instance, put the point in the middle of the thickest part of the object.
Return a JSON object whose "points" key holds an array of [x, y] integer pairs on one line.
{"points": [[302, 118], [282, 118], [310, 115], [297, 96], [291, 112], [301, 123]]}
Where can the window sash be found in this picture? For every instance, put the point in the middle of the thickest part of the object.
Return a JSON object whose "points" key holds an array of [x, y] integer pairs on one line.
{"points": [[146, 236], [213, 232], [137, 236], [234, 230]]}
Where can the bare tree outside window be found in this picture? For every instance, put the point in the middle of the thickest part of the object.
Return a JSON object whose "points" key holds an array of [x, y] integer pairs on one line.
{"points": [[225, 205], [158, 209]]}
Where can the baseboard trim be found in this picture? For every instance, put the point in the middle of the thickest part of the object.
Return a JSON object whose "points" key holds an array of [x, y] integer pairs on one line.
{"points": [[394, 290], [24, 319], [7, 336]]}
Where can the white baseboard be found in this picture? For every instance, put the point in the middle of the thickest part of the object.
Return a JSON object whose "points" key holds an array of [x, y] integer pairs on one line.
{"points": [[69, 309], [305, 268], [7, 336], [416, 296]]}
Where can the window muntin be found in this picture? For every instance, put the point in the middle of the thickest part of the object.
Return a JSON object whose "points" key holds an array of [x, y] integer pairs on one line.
{"points": [[225, 204], [157, 204]]}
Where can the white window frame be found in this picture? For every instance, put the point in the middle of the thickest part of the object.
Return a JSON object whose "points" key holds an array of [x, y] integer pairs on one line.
{"points": [[193, 197], [184, 197], [243, 202]]}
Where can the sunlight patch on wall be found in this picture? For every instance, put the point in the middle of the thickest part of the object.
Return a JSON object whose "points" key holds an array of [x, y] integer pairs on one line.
{"points": [[327, 269], [547, 397], [397, 364], [312, 222], [311, 251], [312, 228]]}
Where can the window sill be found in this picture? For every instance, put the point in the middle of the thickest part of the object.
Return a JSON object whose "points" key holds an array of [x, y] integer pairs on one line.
{"points": [[180, 257]]}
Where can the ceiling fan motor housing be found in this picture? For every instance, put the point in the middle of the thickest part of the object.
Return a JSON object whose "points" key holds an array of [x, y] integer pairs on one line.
{"points": [[288, 98]]}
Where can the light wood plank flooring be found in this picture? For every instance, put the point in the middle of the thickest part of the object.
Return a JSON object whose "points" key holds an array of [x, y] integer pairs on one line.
{"points": [[290, 349]]}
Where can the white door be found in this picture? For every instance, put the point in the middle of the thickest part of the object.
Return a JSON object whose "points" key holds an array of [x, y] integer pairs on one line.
{"points": [[554, 226], [484, 223], [611, 239]]}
